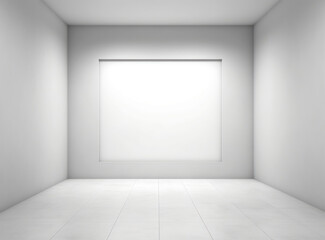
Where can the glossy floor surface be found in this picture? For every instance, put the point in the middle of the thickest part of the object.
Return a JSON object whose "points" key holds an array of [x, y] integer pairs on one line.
{"points": [[162, 210]]}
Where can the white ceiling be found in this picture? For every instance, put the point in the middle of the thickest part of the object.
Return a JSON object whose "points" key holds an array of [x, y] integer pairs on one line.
{"points": [[161, 12]]}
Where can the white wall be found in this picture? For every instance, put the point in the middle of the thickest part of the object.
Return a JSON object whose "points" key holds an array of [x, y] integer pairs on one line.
{"points": [[33, 100], [234, 45], [290, 99]]}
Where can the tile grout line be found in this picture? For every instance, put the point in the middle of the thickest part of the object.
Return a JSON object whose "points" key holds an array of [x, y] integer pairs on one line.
{"points": [[72, 216], [158, 210], [253, 222], [244, 215], [206, 227], [127, 198]]}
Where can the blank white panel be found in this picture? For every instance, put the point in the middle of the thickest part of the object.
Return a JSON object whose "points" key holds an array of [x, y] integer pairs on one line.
{"points": [[160, 110]]}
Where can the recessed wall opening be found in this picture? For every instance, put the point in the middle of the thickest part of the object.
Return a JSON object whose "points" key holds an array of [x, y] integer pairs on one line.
{"points": [[160, 110]]}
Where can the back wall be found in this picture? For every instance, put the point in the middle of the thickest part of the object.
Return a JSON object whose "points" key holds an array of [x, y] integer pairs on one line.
{"points": [[234, 45]]}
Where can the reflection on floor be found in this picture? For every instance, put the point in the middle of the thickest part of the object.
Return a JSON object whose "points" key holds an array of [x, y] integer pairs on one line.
{"points": [[162, 210]]}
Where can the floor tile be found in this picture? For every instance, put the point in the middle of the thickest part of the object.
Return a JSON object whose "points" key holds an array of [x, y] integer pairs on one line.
{"points": [[164, 209]]}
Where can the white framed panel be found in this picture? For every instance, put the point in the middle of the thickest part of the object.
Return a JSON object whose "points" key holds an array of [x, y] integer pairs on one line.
{"points": [[160, 110]]}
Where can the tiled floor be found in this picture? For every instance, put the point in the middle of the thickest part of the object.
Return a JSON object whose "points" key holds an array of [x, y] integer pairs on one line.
{"points": [[164, 210]]}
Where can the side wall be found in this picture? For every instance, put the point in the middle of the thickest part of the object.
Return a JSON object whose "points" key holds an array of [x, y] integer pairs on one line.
{"points": [[234, 45], [33, 100], [290, 99]]}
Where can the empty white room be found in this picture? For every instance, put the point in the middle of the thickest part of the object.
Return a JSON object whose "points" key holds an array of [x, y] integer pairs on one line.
{"points": [[162, 120]]}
